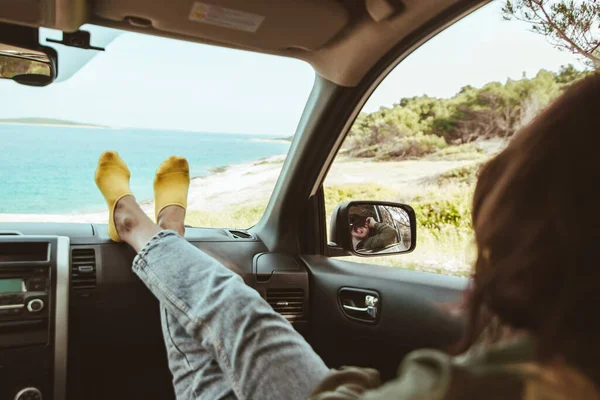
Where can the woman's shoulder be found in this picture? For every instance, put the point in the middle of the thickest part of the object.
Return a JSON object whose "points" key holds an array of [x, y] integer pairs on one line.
{"points": [[434, 375], [505, 371], [421, 372]]}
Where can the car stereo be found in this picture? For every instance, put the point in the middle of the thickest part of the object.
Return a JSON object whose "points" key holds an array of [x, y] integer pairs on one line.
{"points": [[23, 295], [34, 282]]}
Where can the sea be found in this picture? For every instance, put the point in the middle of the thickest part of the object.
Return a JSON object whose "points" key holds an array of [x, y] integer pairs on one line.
{"points": [[50, 169]]}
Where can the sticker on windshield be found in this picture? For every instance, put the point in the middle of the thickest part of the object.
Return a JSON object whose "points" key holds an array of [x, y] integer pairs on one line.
{"points": [[225, 17]]}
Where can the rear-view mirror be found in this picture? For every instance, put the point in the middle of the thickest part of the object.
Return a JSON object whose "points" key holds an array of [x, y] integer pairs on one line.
{"points": [[370, 228], [23, 59]]}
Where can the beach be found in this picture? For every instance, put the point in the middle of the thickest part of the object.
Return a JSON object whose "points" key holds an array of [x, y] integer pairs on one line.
{"points": [[253, 183], [235, 197], [40, 175]]}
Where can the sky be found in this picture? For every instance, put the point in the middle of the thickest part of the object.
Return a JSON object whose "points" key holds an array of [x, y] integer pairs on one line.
{"points": [[149, 82]]}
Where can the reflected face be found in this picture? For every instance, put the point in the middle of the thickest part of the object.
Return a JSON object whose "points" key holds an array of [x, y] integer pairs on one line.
{"points": [[360, 232]]}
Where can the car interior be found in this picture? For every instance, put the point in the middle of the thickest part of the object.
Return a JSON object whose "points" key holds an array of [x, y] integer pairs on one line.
{"points": [[84, 326]]}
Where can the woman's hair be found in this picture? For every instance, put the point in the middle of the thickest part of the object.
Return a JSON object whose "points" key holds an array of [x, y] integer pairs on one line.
{"points": [[357, 221], [536, 217]]}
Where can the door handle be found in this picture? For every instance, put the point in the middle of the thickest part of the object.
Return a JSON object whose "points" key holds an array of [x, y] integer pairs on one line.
{"points": [[368, 312]]}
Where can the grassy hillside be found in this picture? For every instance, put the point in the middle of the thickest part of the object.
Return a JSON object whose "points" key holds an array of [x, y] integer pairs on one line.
{"points": [[461, 133]]}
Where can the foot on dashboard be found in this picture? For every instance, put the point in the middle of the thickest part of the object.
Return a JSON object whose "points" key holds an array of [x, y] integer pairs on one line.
{"points": [[171, 186], [112, 178]]}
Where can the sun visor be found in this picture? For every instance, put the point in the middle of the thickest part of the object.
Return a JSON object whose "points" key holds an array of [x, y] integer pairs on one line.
{"points": [[64, 15], [307, 24]]}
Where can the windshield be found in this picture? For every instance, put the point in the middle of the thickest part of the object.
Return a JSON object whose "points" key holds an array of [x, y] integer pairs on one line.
{"points": [[230, 113]]}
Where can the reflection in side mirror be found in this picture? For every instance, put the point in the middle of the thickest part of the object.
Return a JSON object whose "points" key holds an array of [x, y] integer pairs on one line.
{"points": [[379, 229], [374, 228]]}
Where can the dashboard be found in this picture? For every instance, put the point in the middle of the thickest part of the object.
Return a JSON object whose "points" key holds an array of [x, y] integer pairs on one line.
{"points": [[76, 323]]}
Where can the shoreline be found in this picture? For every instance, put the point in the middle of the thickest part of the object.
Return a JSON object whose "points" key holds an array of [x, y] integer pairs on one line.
{"points": [[250, 181], [272, 140], [227, 188]]}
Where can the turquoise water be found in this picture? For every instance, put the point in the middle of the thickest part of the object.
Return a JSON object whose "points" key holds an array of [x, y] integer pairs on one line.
{"points": [[51, 169]]}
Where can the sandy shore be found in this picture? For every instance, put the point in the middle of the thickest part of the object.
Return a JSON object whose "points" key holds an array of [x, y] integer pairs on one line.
{"points": [[237, 184], [254, 182], [248, 184], [272, 140]]}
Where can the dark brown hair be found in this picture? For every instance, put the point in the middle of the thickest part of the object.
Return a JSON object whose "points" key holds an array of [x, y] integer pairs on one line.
{"points": [[357, 221], [536, 217]]}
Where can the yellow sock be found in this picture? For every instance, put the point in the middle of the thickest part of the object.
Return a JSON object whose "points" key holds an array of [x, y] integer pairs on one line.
{"points": [[112, 178], [171, 184]]}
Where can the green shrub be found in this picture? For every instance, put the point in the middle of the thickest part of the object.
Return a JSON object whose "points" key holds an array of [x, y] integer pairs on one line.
{"points": [[218, 170], [466, 174], [416, 146], [400, 147], [448, 252], [366, 152], [467, 151], [235, 217], [443, 217], [248, 215], [336, 195], [437, 212]]}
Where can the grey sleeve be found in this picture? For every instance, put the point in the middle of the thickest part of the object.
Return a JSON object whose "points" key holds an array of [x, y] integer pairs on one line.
{"points": [[384, 236], [423, 374]]}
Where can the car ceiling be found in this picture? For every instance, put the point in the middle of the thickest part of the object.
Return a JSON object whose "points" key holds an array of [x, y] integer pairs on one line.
{"points": [[341, 39]]}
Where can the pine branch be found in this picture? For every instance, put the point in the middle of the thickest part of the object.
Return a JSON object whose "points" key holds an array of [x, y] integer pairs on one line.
{"points": [[563, 35]]}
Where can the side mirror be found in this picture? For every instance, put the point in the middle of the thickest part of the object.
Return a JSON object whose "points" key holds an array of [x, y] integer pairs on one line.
{"points": [[373, 228], [23, 59]]}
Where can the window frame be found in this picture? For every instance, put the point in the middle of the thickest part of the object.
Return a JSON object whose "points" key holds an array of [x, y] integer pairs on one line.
{"points": [[365, 89]]}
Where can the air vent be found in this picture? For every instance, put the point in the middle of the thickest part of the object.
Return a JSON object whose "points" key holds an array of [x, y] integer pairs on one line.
{"points": [[83, 269], [287, 302], [237, 234]]}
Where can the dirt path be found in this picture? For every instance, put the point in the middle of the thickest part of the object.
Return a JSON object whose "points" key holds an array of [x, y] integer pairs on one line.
{"points": [[249, 184]]}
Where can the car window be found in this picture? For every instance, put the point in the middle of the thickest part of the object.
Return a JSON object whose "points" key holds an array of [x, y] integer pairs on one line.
{"points": [[230, 113], [442, 112]]}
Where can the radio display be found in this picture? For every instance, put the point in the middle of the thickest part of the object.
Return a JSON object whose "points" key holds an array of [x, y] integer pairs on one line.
{"points": [[11, 285]]}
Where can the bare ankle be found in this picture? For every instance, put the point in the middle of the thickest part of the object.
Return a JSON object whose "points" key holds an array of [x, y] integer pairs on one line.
{"points": [[172, 218], [125, 218], [133, 226], [176, 226]]}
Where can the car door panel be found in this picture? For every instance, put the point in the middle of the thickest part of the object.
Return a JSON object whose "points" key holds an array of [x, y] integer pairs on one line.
{"points": [[413, 313]]}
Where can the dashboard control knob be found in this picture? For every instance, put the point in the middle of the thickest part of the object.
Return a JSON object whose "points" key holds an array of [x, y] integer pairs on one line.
{"points": [[29, 393], [35, 305]]}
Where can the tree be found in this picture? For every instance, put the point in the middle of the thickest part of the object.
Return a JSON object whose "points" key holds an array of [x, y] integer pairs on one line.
{"points": [[417, 126], [572, 25], [569, 74]]}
